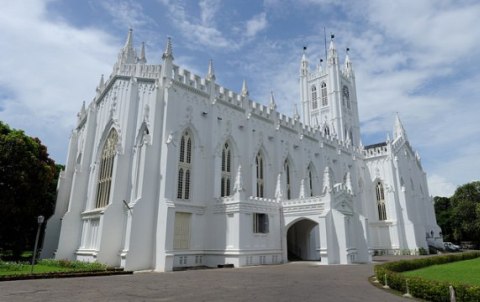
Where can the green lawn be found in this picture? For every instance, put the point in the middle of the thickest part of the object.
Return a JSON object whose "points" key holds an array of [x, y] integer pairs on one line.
{"points": [[467, 272], [38, 269], [48, 266]]}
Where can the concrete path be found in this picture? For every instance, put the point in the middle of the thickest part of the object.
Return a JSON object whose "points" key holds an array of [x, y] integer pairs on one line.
{"points": [[299, 281]]}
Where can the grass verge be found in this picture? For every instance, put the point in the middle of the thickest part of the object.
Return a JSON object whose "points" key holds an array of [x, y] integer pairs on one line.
{"points": [[467, 272]]}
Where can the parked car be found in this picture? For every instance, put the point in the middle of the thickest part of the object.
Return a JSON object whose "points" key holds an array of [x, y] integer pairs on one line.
{"points": [[450, 247]]}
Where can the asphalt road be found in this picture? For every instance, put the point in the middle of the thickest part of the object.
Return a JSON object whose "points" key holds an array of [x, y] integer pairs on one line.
{"points": [[299, 281]]}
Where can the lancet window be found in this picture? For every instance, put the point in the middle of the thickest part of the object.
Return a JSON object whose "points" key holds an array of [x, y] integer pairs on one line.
{"points": [[226, 170], [382, 211], [314, 97], [259, 164], [324, 94], [185, 166], [310, 179], [106, 170], [286, 168]]}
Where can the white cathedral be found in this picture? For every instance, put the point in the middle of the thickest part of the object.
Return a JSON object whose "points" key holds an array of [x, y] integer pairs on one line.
{"points": [[167, 169]]}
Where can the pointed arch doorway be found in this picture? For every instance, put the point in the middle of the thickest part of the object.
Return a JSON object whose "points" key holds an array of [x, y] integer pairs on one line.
{"points": [[303, 241]]}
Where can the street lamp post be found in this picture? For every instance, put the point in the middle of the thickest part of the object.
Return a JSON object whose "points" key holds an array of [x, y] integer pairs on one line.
{"points": [[40, 220]]}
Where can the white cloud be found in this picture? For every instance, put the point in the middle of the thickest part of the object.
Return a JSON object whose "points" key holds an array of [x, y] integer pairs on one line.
{"points": [[126, 13], [52, 67], [440, 186], [204, 32], [256, 25]]}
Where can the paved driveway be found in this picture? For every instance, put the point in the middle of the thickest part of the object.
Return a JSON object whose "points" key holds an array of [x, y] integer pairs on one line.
{"points": [[300, 281]]}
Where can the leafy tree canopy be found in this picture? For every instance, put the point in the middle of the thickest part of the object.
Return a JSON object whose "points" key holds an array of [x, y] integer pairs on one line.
{"points": [[459, 215], [27, 188]]}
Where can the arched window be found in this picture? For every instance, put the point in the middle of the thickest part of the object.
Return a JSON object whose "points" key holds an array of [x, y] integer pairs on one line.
{"points": [[314, 97], [184, 166], [324, 94], [106, 169], [326, 130], [259, 163], [286, 168], [310, 179], [382, 211], [226, 170]]}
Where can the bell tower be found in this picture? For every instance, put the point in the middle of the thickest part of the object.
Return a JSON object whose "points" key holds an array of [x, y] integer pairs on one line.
{"points": [[329, 97]]}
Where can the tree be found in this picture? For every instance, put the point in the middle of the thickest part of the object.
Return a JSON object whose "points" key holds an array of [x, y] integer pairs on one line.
{"points": [[466, 201], [444, 214], [27, 188]]}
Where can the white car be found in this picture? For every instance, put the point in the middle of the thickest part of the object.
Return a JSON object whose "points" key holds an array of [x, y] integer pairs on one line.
{"points": [[451, 247]]}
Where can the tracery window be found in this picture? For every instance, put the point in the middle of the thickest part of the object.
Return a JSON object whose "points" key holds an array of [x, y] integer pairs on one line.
{"points": [[106, 169], [286, 168], [324, 94], [259, 164], [226, 170], [382, 211], [184, 166], [314, 97]]}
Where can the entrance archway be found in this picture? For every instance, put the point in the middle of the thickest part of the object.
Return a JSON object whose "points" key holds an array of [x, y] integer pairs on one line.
{"points": [[302, 241]]}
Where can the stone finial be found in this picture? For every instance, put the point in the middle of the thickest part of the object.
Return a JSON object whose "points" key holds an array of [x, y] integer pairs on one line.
{"points": [[168, 53], [296, 115], [129, 41], [238, 185], [327, 181], [101, 85], [398, 130], [244, 89], [211, 71], [272, 105], [348, 68], [278, 188], [302, 188], [142, 59], [348, 182]]}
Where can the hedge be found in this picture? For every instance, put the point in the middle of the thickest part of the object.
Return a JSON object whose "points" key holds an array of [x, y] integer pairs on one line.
{"points": [[427, 289]]}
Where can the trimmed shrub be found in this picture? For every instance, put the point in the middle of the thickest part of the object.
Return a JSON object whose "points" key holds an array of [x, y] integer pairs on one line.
{"points": [[427, 289]]}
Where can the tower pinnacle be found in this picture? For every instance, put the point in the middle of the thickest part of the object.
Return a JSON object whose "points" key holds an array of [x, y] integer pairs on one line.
{"points": [[142, 59], [168, 54], [211, 71], [272, 105], [398, 130], [244, 89]]}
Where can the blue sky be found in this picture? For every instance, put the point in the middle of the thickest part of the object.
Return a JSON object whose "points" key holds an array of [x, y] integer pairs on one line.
{"points": [[415, 57]]}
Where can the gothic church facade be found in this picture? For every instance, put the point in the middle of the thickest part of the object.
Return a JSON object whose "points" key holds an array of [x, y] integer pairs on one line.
{"points": [[168, 169]]}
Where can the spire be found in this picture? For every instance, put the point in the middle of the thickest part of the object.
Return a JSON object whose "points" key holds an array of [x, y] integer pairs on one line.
{"points": [[272, 105], [398, 129], [319, 66], [127, 54], [244, 89], [278, 188], [332, 52], [142, 59], [211, 71], [129, 42], [83, 111], [304, 63], [101, 85], [168, 54], [348, 68]]}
